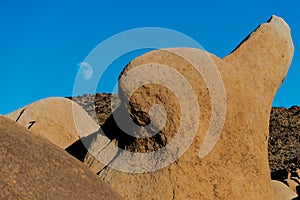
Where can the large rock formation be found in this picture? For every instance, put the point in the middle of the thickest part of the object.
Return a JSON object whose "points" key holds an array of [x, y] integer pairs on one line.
{"points": [[284, 130], [54, 119], [33, 168], [237, 166]]}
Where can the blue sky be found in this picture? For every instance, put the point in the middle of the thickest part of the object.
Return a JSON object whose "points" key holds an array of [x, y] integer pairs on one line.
{"points": [[42, 42]]}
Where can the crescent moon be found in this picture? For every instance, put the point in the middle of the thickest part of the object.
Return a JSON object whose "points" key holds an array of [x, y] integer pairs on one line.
{"points": [[86, 69]]}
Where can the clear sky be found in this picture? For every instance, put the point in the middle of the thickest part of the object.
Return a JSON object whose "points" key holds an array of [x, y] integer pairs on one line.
{"points": [[42, 42]]}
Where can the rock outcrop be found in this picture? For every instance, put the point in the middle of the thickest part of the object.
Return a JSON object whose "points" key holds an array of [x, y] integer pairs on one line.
{"points": [[237, 167], [54, 119], [284, 155], [98, 106], [284, 131], [33, 168], [284, 143]]}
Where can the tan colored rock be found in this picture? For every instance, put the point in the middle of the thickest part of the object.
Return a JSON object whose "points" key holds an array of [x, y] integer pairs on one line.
{"points": [[292, 184], [282, 192], [53, 118], [33, 168], [297, 180], [233, 166], [298, 173]]}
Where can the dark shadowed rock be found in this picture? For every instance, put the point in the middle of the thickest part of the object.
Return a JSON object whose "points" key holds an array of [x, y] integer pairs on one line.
{"points": [[98, 106], [284, 141], [33, 168]]}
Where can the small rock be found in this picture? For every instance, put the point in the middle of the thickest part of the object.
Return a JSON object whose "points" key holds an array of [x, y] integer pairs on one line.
{"points": [[60, 120], [291, 184], [282, 192]]}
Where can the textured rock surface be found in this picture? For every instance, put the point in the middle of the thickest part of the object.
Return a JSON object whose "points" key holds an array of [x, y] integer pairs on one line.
{"points": [[284, 130], [53, 118], [98, 106], [284, 143], [237, 168], [33, 168]]}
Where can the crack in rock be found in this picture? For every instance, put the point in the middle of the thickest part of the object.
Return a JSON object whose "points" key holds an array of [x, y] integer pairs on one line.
{"points": [[21, 113], [31, 124]]}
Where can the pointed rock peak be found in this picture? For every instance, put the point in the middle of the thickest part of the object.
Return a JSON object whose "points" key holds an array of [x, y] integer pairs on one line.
{"points": [[280, 24], [268, 47]]}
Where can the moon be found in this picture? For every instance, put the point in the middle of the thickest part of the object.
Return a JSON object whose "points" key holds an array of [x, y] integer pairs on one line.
{"points": [[86, 70]]}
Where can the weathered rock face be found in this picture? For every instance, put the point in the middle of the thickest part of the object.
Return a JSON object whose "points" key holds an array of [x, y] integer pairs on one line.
{"points": [[237, 167], [284, 146], [53, 118], [33, 168], [284, 130]]}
